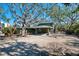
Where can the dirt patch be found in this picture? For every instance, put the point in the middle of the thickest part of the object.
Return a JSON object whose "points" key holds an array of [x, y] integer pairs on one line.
{"points": [[53, 45]]}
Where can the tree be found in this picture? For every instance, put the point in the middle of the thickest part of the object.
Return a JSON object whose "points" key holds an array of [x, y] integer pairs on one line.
{"points": [[28, 15], [55, 12], [71, 14]]}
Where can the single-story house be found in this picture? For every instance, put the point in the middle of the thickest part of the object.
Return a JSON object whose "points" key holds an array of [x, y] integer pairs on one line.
{"points": [[39, 28]]}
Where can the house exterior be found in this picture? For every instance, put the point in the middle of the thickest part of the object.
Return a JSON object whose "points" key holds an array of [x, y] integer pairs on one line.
{"points": [[39, 28]]}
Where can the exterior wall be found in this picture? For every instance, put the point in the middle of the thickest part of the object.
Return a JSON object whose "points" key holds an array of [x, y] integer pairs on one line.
{"points": [[37, 30]]}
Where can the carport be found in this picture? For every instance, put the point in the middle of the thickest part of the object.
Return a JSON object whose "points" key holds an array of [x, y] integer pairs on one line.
{"points": [[39, 29]]}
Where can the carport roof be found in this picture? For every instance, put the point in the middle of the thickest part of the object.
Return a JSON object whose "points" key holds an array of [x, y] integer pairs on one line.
{"points": [[40, 27]]}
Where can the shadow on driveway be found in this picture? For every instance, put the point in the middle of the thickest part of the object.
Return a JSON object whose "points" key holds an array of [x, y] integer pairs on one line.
{"points": [[23, 49]]}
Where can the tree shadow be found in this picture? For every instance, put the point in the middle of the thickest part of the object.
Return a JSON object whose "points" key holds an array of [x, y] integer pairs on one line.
{"points": [[23, 49], [74, 43], [59, 49]]}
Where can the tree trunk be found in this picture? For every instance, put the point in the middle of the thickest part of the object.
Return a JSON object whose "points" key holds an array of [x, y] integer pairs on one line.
{"points": [[54, 28], [23, 31], [26, 33], [48, 31]]}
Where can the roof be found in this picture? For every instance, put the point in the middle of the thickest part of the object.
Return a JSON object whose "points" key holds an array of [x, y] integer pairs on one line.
{"points": [[40, 27], [46, 23], [43, 24]]}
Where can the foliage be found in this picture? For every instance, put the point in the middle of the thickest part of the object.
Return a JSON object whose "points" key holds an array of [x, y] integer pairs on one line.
{"points": [[74, 29], [76, 32], [9, 31], [64, 16]]}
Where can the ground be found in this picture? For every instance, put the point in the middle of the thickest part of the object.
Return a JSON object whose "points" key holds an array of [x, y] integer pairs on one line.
{"points": [[40, 45]]}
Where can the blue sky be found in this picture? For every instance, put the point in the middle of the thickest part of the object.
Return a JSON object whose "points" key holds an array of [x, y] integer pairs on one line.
{"points": [[8, 14]]}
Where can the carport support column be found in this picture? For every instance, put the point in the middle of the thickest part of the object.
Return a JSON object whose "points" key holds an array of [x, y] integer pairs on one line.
{"points": [[48, 31], [35, 30]]}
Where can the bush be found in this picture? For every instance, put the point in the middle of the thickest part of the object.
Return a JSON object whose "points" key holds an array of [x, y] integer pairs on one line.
{"points": [[68, 32], [16, 31], [76, 31], [8, 31]]}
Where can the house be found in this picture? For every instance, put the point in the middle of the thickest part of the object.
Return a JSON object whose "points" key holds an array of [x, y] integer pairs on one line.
{"points": [[38, 28]]}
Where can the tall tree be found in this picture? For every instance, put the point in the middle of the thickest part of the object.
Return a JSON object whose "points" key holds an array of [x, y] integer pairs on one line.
{"points": [[55, 12], [27, 16], [71, 14]]}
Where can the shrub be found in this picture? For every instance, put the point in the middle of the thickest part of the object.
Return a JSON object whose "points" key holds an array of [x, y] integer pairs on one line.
{"points": [[76, 31], [16, 31], [73, 29], [8, 31]]}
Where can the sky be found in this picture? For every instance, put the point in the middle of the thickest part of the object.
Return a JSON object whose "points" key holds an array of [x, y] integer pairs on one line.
{"points": [[8, 14], [4, 6]]}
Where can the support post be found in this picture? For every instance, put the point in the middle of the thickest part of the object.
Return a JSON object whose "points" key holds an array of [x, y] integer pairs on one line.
{"points": [[48, 31], [36, 31]]}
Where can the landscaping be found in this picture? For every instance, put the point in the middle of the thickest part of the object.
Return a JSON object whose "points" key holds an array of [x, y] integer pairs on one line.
{"points": [[36, 29]]}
